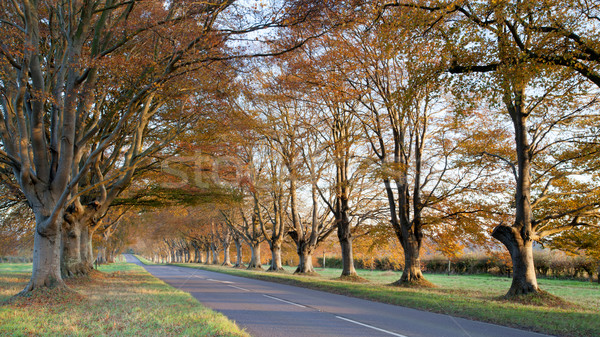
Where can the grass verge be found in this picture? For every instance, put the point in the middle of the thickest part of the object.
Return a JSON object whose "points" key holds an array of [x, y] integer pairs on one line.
{"points": [[474, 297], [124, 300], [148, 262]]}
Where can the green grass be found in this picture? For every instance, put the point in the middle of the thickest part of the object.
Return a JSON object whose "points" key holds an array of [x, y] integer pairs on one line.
{"points": [[124, 301], [148, 262], [586, 294], [469, 296]]}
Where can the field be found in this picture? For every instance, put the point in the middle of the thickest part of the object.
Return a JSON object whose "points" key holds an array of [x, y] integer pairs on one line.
{"points": [[124, 300], [471, 296]]}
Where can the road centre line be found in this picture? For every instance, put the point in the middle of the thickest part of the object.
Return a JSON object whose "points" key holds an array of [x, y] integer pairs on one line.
{"points": [[284, 301], [209, 279], [228, 282], [370, 326], [240, 288]]}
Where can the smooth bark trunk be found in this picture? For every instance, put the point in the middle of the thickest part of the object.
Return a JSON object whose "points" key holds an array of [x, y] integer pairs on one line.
{"points": [[208, 255], [87, 255], [186, 256], [71, 264], [524, 280], [305, 265], [101, 255], [412, 262], [215, 254], [255, 256], [239, 261], [409, 235], [198, 255], [345, 239], [276, 264], [46, 262], [226, 255]]}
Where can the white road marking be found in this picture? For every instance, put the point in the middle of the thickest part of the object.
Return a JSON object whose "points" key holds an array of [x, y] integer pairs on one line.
{"points": [[370, 326], [209, 279], [284, 301], [244, 289]]}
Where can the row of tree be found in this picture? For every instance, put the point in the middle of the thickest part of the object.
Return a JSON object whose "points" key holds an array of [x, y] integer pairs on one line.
{"points": [[453, 120], [445, 119], [93, 93]]}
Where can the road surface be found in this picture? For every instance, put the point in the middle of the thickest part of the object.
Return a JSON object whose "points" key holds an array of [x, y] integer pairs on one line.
{"points": [[266, 309]]}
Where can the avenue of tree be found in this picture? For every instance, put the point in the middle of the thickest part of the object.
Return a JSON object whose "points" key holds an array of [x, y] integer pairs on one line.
{"points": [[222, 124]]}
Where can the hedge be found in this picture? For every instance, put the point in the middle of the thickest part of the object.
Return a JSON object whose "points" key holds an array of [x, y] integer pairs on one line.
{"points": [[547, 264]]}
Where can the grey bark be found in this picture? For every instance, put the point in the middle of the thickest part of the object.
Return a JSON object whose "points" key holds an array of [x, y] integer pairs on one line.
{"points": [[239, 261], [255, 262]]}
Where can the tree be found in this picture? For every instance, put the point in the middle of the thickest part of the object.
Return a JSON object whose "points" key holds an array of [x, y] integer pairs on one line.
{"points": [[275, 233], [340, 141], [308, 235], [224, 234]]}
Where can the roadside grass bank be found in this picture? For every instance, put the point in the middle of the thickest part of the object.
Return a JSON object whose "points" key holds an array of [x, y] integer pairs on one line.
{"points": [[123, 300], [469, 296], [148, 262]]}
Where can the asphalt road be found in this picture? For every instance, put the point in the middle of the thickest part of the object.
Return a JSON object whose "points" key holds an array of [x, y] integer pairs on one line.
{"points": [[271, 309]]}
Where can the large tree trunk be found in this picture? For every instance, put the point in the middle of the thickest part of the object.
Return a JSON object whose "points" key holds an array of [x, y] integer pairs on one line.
{"points": [[342, 154], [276, 264], [85, 249], [409, 235], [305, 265], [208, 255], [347, 257], [197, 255], [521, 252], [412, 261], [239, 262], [226, 255], [46, 261], [305, 251], [255, 256], [110, 257], [345, 238], [71, 249], [215, 253], [76, 243], [87, 255], [101, 255], [173, 257]]}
